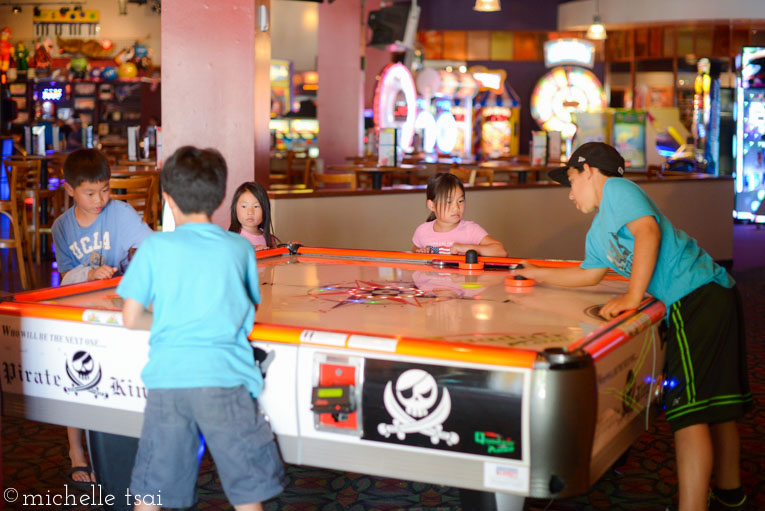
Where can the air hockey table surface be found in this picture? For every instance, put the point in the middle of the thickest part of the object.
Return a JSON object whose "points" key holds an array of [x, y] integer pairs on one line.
{"points": [[388, 363]]}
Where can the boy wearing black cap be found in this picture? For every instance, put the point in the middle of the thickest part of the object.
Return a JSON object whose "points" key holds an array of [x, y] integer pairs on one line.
{"points": [[706, 353]]}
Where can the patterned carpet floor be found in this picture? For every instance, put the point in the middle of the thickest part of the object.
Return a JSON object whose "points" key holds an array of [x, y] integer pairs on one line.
{"points": [[34, 460]]}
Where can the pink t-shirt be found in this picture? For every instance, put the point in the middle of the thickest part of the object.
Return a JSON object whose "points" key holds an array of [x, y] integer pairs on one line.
{"points": [[255, 239], [467, 233]]}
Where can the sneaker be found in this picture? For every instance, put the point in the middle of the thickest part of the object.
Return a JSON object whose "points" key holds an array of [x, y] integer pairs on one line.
{"points": [[716, 504]]}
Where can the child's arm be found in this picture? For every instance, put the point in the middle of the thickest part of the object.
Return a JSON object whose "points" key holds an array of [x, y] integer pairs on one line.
{"points": [[574, 276], [102, 272], [489, 247], [135, 316], [647, 242], [420, 250]]}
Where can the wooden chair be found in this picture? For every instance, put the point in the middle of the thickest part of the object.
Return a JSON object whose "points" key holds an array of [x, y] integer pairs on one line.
{"points": [[308, 170], [294, 171], [470, 176], [44, 205], [141, 192], [345, 177], [14, 209]]}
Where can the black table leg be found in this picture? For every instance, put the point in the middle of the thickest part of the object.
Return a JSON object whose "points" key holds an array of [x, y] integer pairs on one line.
{"points": [[113, 457]]}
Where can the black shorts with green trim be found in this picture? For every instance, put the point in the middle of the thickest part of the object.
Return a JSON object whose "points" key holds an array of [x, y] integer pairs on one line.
{"points": [[705, 360]]}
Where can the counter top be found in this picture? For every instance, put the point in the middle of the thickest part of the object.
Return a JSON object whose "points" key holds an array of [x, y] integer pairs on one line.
{"points": [[637, 177]]}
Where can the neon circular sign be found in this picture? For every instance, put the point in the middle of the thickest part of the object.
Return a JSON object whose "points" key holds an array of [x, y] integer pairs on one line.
{"points": [[563, 91], [395, 104]]}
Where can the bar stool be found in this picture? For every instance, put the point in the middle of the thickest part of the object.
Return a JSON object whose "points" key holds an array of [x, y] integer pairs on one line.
{"points": [[14, 210]]}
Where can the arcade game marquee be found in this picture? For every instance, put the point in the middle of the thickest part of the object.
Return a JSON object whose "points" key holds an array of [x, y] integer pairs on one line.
{"points": [[413, 366]]}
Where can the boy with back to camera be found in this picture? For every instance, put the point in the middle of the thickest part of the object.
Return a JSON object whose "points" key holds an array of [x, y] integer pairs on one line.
{"points": [[706, 351], [93, 240], [201, 283]]}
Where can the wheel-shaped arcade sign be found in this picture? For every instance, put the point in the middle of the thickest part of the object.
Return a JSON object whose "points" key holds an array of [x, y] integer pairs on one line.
{"points": [[395, 102], [563, 91]]}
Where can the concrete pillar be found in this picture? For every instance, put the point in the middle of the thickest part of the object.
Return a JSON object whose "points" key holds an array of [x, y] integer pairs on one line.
{"points": [[340, 100], [215, 86]]}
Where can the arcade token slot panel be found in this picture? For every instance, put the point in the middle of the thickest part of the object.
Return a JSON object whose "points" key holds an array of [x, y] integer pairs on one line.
{"points": [[336, 393]]}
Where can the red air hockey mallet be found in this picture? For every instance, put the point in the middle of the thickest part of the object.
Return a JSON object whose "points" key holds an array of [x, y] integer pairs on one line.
{"points": [[518, 280], [471, 261]]}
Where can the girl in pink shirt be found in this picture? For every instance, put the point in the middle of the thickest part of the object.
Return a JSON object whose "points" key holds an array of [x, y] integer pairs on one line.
{"points": [[445, 232], [251, 215]]}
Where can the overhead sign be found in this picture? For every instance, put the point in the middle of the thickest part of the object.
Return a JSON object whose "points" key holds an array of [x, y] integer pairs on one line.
{"points": [[493, 80], [569, 52]]}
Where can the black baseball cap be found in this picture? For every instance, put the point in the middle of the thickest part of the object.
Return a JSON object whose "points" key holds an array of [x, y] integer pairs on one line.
{"points": [[595, 154]]}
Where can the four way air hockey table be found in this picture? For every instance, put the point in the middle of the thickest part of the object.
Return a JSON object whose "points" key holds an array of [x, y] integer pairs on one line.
{"points": [[386, 363]]}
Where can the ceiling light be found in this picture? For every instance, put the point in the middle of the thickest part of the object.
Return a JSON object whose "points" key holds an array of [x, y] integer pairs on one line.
{"points": [[486, 5], [596, 31], [16, 9]]}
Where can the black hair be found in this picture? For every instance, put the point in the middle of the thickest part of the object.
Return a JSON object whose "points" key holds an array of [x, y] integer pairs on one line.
{"points": [[195, 179], [266, 226], [86, 165], [440, 187]]}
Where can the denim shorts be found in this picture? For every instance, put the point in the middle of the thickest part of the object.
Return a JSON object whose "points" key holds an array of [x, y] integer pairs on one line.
{"points": [[237, 434]]}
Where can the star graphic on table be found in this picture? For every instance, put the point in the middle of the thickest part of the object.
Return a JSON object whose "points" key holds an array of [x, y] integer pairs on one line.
{"points": [[371, 293]]}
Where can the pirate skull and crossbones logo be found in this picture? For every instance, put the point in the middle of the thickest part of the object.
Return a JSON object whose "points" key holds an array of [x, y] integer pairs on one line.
{"points": [[85, 373], [417, 391]]}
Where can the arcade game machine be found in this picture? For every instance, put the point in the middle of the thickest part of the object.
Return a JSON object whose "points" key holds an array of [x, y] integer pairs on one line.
{"points": [[665, 134], [281, 87], [496, 115], [568, 87], [592, 127], [750, 136], [304, 134], [51, 101], [629, 137], [20, 93], [395, 104], [280, 137], [706, 116], [449, 97]]}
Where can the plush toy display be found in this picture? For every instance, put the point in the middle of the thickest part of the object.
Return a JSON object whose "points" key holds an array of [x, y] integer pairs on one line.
{"points": [[6, 49], [79, 66], [22, 57], [127, 70], [42, 57]]}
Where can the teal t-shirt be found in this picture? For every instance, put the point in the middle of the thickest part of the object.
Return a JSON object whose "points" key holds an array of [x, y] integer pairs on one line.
{"points": [[203, 284], [681, 267]]}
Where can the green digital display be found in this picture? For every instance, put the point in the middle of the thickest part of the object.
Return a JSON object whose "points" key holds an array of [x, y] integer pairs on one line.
{"points": [[327, 393]]}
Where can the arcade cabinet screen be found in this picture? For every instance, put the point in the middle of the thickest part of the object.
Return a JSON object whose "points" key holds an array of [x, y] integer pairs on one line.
{"points": [[752, 193]]}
